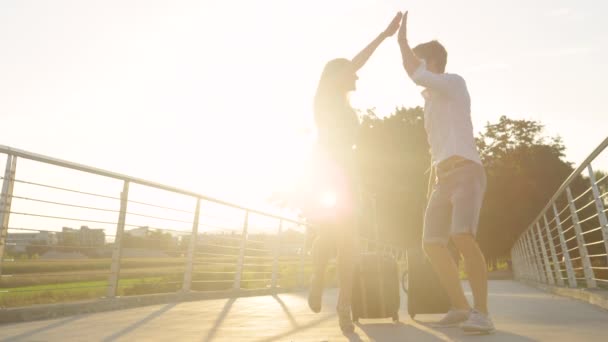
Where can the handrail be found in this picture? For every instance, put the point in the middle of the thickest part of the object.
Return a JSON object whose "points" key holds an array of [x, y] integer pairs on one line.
{"points": [[126, 257], [573, 175], [100, 172], [542, 252]]}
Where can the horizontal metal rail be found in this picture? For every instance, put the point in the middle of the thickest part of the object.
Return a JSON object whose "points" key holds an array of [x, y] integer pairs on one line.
{"points": [[571, 238]]}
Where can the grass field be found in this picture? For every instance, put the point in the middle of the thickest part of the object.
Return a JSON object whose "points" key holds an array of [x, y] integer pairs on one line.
{"points": [[29, 282]]}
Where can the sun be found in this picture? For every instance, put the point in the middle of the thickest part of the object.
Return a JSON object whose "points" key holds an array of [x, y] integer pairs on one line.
{"points": [[329, 199]]}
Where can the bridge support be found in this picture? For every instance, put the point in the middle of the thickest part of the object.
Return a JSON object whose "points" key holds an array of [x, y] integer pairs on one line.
{"points": [[599, 205], [277, 254], [532, 257], [556, 267], [537, 257], [565, 254], [6, 198], [523, 260], [117, 252], [523, 270], [239, 267], [191, 248], [588, 271], [543, 250]]}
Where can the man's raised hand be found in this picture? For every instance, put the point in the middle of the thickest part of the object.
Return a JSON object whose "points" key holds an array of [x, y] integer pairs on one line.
{"points": [[402, 35]]}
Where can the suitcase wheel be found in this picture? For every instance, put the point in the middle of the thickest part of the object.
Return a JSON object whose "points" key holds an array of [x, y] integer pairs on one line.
{"points": [[412, 316]]}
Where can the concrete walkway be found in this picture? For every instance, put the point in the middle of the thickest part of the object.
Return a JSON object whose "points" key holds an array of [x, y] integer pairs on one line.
{"points": [[521, 313]]}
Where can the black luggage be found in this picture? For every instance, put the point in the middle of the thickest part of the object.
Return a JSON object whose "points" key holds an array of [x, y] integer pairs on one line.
{"points": [[376, 288], [425, 295]]}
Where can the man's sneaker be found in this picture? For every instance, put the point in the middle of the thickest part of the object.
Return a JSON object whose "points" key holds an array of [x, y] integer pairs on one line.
{"points": [[453, 318], [344, 319], [315, 294], [478, 322]]}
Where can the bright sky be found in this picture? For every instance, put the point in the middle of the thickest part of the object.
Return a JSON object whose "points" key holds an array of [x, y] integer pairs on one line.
{"points": [[215, 96]]}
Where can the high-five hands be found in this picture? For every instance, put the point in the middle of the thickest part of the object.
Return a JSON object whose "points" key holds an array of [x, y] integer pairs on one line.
{"points": [[393, 26]]}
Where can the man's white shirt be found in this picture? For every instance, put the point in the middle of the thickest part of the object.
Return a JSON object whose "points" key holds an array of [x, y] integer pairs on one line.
{"points": [[447, 115]]}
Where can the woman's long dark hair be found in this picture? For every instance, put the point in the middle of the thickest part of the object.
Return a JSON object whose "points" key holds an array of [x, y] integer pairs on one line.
{"points": [[331, 97]]}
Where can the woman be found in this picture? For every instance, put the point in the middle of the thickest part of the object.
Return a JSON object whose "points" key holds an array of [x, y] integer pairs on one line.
{"points": [[337, 128]]}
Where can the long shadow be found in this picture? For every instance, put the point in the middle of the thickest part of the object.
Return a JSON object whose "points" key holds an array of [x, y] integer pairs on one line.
{"points": [[220, 319], [292, 319], [354, 337], [282, 336], [456, 334], [388, 332], [42, 329], [139, 323]]}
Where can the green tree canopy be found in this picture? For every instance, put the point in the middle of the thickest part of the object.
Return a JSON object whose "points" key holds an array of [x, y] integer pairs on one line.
{"points": [[524, 168]]}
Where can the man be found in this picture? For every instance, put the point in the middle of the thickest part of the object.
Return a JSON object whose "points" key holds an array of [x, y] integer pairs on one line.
{"points": [[457, 196]]}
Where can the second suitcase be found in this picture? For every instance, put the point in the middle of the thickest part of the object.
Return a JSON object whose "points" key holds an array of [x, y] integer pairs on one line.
{"points": [[425, 295], [376, 288]]}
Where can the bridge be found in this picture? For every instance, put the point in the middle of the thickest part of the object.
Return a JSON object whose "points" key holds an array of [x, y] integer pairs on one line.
{"points": [[93, 255]]}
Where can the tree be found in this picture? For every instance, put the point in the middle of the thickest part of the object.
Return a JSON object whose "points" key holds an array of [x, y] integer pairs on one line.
{"points": [[524, 169], [393, 156]]}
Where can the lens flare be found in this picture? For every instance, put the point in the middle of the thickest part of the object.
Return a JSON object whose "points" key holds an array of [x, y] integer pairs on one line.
{"points": [[328, 199]]}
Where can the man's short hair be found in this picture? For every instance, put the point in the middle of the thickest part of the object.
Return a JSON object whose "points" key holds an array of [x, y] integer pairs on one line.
{"points": [[432, 52]]}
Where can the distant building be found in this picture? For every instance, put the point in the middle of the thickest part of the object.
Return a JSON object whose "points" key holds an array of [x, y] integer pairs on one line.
{"points": [[84, 236], [19, 241], [139, 232]]}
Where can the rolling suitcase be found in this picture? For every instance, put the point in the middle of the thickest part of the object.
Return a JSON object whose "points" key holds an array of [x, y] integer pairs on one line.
{"points": [[376, 288], [425, 295]]}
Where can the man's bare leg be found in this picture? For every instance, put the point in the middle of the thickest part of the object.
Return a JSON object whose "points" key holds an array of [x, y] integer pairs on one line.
{"points": [[475, 265]]}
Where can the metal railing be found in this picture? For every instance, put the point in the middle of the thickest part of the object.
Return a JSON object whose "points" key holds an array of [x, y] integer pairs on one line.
{"points": [[148, 237], [567, 243]]}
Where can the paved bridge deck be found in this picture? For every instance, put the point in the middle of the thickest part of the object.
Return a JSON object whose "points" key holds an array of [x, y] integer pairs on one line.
{"points": [[521, 313]]}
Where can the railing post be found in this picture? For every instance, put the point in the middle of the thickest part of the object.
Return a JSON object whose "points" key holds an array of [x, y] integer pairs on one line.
{"points": [[600, 208], [530, 257], [524, 256], [521, 261], [512, 253], [537, 256], [191, 247], [514, 261], [543, 250], [528, 270], [556, 267], [562, 240], [277, 253], [519, 268], [117, 252], [6, 198], [531, 262], [589, 277], [239, 267]]}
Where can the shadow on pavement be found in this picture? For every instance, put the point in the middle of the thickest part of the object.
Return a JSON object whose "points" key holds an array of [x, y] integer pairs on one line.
{"points": [[27, 334], [139, 323], [220, 319]]}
